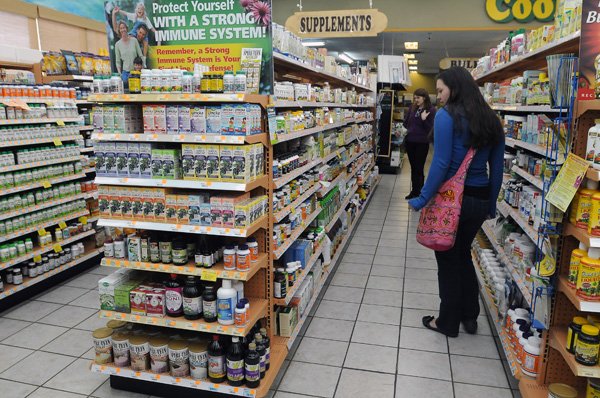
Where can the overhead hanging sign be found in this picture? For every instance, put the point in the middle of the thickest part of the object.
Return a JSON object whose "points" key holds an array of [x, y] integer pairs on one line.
{"points": [[223, 35], [339, 23], [467, 63], [504, 11]]}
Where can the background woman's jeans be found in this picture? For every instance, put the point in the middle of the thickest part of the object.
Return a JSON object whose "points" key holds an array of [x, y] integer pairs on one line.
{"points": [[459, 289]]}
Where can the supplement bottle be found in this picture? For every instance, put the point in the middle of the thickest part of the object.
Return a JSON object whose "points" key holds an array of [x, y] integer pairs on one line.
{"points": [[240, 314], [243, 258], [594, 223], [576, 256], [262, 351], [253, 247], [588, 277], [229, 258], [209, 304], [216, 361], [252, 367], [174, 297], [235, 363], [588, 345], [591, 152], [267, 342], [240, 82], [584, 204], [226, 301], [228, 82], [192, 299]]}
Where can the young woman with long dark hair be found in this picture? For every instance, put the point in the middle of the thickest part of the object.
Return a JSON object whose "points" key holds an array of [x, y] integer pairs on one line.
{"points": [[465, 121], [419, 123]]}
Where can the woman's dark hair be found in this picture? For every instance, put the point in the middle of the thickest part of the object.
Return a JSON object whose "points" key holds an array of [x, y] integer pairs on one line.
{"points": [[421, 92], [466, 102]]}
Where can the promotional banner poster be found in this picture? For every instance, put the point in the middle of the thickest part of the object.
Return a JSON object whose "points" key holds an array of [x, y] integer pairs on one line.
{"points": [[176, 34], [589, 51]]}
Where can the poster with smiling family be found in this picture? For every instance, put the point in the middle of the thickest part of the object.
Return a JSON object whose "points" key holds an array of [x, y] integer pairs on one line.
{"points": [[176, 34]]}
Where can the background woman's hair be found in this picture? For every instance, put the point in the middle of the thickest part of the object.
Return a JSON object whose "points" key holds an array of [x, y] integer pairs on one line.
{"points": [[421, 92], [466, 102]]}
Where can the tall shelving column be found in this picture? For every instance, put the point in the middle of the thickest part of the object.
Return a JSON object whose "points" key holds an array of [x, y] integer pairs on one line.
{"points": [[286, 66], [554, 368]]}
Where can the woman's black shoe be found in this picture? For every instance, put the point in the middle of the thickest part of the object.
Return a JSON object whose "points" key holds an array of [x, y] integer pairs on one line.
{"points": [[470, 326], [411, 196]]}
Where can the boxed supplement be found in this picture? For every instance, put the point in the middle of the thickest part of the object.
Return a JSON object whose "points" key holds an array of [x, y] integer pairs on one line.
{"points": [[134, 248], [172, 119], [242, 118], [115, 202], [216, 211], [171, 166], [182, 209], [109, 119], [226, 162], [205, 214], [187, 162], [155, 302], [110, 156], [242, 160], [157, 160], [122, 161], [137, 301], [198, 120], [160, 119], [148, 117], [212, 160], [122, 296], [104, 200], [119, 119], [106, 289], [185, 119], [137, 203], [200, 162], [228, 119], [213, 120], [133, 159], [145, 150], [288, 319], [242, 213], [98, 118], [148, 204], [100, 157], [171, 208], [159, 200], [126, 202], [194, 202]]}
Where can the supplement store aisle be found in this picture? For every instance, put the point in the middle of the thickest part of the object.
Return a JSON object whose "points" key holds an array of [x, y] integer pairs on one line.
{"points": [[364, 337]]}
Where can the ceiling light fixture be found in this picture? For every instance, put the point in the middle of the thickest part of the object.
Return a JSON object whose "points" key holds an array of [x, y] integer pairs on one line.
{"points": [[313, 43], [346, 58], [413, 68], [409, 56], [411, 45], [413, 62]]}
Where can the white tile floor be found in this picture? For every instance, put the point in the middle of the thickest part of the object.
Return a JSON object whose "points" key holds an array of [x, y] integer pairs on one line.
{"points": [[364, 338]]}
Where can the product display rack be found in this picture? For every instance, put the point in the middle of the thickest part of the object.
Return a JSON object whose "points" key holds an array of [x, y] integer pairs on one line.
{"points": [[183, 138], [184, 184]]}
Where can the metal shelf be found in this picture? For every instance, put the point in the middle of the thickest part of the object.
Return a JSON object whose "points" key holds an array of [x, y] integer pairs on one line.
{"points": [[42, 163], [9, 290], [186, 228], [54, 180], [258, 310], [185, 184], [184, 138], [535, 181], [63, 78], [531, 61], [332, 184], [303, 133], [280, 215], [292, 290], [281, 181], [296, 233], [8, 144], [342, 208], [582, 235], [527, 108], [81, 213], [540, 150], [578, 302], [310, 104], [13, 122], [45, 249], [506, 210], [41, 206], [165, 97], [217, 271]]}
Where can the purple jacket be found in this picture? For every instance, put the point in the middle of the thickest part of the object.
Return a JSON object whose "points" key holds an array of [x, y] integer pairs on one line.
{"points": [[418, 129]]}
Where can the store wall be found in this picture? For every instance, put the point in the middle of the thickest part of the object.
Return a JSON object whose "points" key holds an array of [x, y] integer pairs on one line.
{"points": [[422, 80], [409, 15]]}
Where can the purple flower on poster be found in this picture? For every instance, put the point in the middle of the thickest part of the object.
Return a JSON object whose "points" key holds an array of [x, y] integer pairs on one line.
{"points": [[261, 12]]}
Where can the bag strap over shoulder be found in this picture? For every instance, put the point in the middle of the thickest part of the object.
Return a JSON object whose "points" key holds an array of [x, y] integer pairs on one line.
{"points": [[461, 173]]}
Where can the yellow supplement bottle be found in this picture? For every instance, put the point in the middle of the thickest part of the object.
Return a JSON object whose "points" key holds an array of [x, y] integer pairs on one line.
{"points": [[584, 204], [594, 223], [576, 256], [588, 279]]}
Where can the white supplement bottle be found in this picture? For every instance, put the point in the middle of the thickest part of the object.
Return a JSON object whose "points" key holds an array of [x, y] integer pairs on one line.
{"points": [[226, 302]]}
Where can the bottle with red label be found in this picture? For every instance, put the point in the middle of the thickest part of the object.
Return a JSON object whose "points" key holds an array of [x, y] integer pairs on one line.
{"points": [[174, 297], [216, 361]]}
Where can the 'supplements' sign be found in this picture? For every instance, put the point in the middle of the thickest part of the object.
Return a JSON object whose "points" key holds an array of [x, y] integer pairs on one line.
{"points": [[225, 35], [340, 23]]}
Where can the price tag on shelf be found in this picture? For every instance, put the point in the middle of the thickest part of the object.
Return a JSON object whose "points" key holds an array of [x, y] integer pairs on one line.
{"points": [[209, 275], [60, 122], [46, 184], [37, 258], [57, 142], [62, 225], [57, 248], [42, 232]]}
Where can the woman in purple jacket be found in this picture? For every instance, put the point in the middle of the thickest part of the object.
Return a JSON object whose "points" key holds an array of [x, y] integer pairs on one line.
{"points": [[419, 123]]}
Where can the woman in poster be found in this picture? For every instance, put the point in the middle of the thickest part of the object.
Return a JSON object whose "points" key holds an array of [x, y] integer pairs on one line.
{"points": [[126, 50]]}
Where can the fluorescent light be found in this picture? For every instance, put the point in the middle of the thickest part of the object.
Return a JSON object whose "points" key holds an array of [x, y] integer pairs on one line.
{"points": [[413, 68], [409, 56], [313, 43], [413, 62], [344, 57], [411, 45]]}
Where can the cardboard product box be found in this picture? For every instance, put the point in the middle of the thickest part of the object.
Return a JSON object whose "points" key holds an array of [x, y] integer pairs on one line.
{"points": [[228, 119], [171, 208], [171, 164], [122, 159], [110, 156], [185, 119], [104, 200], [134, 248], [288, 319], [172, 112], [242, 213], [200, 162], [194, 203], [109, 119], [157, 163], [159, 200], [198, 120], [133, 159], [242, 163], [212, 160], [303, 252], [216, 211], [155, 302], [107, 287], [160, 119], [98, 118], [100, 158], [205, 214], [126, 199], [137, 203], [226, 162], [137, 301], [148, 204], [145, 151], [213, 120], [259, 155], [187, 161], [183, 209], [115, 202], [148, 118], [241, 120], [119, 119]]}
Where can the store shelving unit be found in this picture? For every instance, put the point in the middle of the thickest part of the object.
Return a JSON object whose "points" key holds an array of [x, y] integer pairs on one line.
{"points": [[183, 138], [533, 180], [526, 108], [296, 234], [184, 184]]}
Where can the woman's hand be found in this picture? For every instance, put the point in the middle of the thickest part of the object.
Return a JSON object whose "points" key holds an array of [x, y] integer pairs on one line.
{"points": [[424, 115]]}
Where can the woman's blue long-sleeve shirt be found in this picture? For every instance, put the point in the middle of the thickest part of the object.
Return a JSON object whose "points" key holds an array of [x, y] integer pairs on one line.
{"points": [[450, 148]]}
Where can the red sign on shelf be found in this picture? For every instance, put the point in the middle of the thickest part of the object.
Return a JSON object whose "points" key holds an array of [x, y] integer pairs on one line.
{"points": [[589, 52]]}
